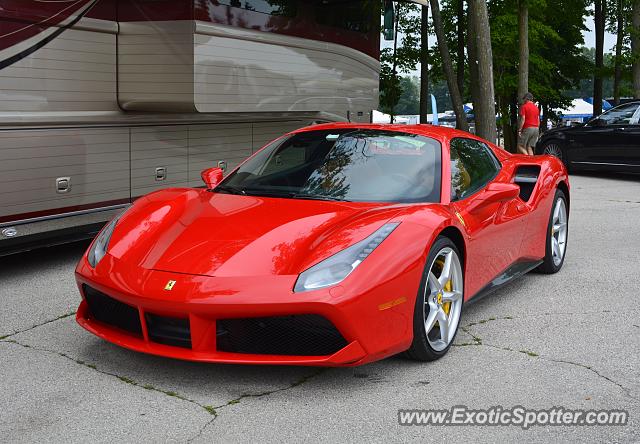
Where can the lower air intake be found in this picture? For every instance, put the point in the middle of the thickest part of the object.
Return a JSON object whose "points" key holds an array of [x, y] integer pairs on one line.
{"points": [[112, 312], [296, 335], [169, 331]]}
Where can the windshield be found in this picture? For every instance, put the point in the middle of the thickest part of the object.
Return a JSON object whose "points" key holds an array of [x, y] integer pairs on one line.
{"points": [[351, 165], [621, 115]]}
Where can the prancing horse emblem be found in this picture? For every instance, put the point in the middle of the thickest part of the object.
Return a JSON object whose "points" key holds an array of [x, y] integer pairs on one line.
{"points": [[170, 285]]}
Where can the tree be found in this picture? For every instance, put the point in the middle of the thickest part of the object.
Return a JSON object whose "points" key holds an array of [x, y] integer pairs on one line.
{"points": [[447, 65], [523, 30], [473, 59], [635, 48], [409, 103], [485, 109], [620, 32], [600, 21], [401, 58], [460, 28], [424, 65]]}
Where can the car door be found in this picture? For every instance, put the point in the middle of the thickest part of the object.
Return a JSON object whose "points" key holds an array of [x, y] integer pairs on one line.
{"points": [[608, 141], [627, 143], [495, 229]]}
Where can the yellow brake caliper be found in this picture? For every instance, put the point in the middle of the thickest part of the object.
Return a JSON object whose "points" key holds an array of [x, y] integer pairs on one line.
{"points": [[446, 306]]}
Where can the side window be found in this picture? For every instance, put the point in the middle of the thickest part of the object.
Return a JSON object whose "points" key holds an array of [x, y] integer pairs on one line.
{"points": [[357, 16], [473, 165], [280, 7], [622, 115]]}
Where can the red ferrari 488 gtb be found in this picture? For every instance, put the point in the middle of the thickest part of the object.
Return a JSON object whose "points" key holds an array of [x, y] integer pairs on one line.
{"points": [[336, 244]]}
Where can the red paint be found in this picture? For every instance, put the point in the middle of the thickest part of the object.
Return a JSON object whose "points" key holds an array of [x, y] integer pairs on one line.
{"points": [[239, 256], [212, 177], [23, 19], [63, 210]]}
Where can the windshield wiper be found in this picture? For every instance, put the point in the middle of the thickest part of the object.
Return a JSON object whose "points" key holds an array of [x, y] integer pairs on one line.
{"points": [[274, 193], [317, 197], [230, 190]]}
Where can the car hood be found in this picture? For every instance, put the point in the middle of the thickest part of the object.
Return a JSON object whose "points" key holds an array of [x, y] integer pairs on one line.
{"points": [[203, 233], [559, 130]]}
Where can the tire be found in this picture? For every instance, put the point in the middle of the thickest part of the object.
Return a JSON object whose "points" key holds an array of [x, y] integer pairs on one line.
{"points": [[557, 235], [442, 302], [555, 148]]}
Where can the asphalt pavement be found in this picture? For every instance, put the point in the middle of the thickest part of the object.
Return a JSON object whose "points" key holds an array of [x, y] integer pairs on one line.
{"points": [[570, 339]]}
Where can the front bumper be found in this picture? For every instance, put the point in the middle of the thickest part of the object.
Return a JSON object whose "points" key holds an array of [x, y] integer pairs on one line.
{"points": [[370, 328]]}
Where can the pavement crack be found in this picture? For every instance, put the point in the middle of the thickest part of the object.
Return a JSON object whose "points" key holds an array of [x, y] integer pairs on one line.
{"points": [[542, 315], [478, 341], [239, 399], [209, 409], [625, 390], [48, 321], [294, 384]]}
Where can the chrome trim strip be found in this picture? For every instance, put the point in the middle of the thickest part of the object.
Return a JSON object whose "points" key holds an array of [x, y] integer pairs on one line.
{"points": [[50, 120], [232, 32], [62, 215], [96, 25], [606, 163]]}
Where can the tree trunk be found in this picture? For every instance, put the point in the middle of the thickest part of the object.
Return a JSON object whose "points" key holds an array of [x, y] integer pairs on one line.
{"points": [[395, 62], [424, 66], [486, 106], [599, 19], [473, 60], [619, 42], [523, 30], [447, 65], [635, 48], [461, 45]]}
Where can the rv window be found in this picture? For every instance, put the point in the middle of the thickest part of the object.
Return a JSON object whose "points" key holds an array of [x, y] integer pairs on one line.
{"points": [[352, 15], [272, 7]]}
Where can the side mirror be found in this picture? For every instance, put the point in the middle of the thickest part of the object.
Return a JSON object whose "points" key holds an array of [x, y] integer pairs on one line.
{"points": [[212, 177], [501, 192], [389, 20], [597, 122], [495, 193]]}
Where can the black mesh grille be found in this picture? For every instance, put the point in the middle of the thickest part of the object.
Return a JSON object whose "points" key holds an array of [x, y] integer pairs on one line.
{"points": [[109, 311], [169, 331], [296, 335]]}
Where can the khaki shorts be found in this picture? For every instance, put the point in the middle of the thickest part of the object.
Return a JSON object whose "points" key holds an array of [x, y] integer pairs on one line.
{"points": [[529, 137]]}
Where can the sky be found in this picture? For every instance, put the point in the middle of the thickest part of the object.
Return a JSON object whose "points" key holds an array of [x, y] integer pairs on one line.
{"points": [[590, 37]]}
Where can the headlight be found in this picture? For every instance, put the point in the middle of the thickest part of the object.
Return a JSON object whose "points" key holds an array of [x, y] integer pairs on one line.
{"points": [[336, 268], [101, 244]]}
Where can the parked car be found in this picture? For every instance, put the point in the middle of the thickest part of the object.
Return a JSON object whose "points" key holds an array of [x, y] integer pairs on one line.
{"points": [[336, 244], [609, 142]]}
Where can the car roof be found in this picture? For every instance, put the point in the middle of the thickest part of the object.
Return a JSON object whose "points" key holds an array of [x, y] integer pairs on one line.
{"points": [[433, 131]]}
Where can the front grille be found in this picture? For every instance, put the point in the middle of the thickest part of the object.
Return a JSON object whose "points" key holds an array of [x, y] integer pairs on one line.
{"points": [[112, 312], [296, 335], [169, 331]]}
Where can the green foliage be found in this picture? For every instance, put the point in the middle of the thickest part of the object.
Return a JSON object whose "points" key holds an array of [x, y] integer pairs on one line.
{"points": [[556, 62], [404, 59]]}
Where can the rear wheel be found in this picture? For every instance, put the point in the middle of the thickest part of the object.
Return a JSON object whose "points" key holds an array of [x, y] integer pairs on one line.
{"points": [[554, 148], [439, 303], [557, 235]]}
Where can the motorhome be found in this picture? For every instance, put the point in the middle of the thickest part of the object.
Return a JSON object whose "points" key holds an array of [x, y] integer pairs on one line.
{"points": [[104, 101]]}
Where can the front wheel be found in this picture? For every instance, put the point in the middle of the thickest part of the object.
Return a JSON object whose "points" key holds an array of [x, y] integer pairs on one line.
{"points": [[554, 148], [439, 303], [557, 235]]}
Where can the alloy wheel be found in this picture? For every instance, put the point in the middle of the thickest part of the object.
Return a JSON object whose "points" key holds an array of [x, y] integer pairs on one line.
{"points": [[559, 231], [443, 299], [553, 149]]}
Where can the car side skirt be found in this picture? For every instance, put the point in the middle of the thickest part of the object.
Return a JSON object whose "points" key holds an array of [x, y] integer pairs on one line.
{"points": [[509, 275]]}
